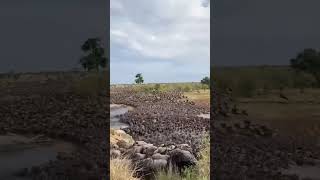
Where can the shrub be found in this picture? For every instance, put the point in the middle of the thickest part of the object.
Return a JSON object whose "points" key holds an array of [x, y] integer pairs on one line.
{"points": [[91, 85]]}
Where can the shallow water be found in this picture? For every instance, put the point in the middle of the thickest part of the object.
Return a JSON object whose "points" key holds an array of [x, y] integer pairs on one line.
{"points": [[115, 111], [18, 152], [311, 172], [206, 116]]}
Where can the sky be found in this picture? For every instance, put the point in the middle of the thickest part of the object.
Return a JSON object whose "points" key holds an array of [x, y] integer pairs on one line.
{"points": [[255, 32], [46, 35], [165, 40]]}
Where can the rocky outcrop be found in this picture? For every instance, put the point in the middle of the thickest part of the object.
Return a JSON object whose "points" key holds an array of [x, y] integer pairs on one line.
{"points": [[150, 159]]}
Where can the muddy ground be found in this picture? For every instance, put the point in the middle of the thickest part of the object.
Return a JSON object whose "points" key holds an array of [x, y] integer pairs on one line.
{"points": [[247, 149]]}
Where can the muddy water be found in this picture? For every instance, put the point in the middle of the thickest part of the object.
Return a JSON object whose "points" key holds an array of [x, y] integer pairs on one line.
{"points": [[115, 111], [206, 116], [18, 152]]}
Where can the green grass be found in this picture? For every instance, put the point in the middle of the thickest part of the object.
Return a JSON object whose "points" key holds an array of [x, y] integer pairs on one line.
{"points": [[257, 89], [91, 85], [163, 87], [249, 81]]}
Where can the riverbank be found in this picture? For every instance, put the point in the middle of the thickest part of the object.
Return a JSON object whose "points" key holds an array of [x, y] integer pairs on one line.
{"points": [[53, 109], [163, 120], [253, 150]]}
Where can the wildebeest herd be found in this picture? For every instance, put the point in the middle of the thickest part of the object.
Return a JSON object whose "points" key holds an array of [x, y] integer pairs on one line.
{"points": [[242, 149], [251, 151], [168, 119], [162, 118], [53, 110], [166, 126]]}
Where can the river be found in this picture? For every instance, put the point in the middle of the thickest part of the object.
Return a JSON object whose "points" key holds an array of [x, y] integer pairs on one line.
{"points": [[18, 152], [116, 110]]}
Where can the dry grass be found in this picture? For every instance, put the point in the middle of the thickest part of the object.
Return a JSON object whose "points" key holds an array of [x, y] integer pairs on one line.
{"points": [[299, 117], [310, 95], [201, 97], [121, 169], [204, 162]]}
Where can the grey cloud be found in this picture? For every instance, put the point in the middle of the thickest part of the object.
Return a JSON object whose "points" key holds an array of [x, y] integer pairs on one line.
{"points": [[205, 3]]}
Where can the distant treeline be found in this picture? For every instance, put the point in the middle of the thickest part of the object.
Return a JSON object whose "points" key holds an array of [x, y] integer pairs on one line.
{"points": [[48, 74], [247, 81], [157, 87]]}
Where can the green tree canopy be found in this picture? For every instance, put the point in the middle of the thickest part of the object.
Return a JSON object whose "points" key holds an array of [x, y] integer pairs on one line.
{"points": [[94, 57], [308, 61], [205, 80], [139, 78]]}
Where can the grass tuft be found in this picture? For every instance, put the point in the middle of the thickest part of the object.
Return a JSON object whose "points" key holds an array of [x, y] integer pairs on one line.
{"points": [[121, 169]]}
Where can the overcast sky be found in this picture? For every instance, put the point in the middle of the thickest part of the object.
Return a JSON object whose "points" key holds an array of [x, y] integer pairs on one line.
{"points": [[251, 32], [38, 35], [165, 40]]}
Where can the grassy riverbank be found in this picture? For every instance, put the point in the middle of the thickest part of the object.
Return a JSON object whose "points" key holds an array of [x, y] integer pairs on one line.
{"points": [[123, 169]]}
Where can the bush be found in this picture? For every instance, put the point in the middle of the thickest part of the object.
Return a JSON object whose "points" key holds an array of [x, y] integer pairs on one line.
{"points": [[91, 85], [157, 87]]}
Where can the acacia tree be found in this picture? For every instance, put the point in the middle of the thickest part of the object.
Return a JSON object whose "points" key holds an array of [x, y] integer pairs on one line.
{"points": [[139, 78], [308, 61], [205, 80], [94, 57]]}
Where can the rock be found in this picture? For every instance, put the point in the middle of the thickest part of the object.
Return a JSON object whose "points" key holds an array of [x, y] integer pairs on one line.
{"points": [[137, 149], [160, 156], [171, 147], [119, 139], [161, 150], [123, 144], [115, 153], [185, 147], [159, 164], [149, 149], [181, 158], [138, 156], [141, 143]]}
